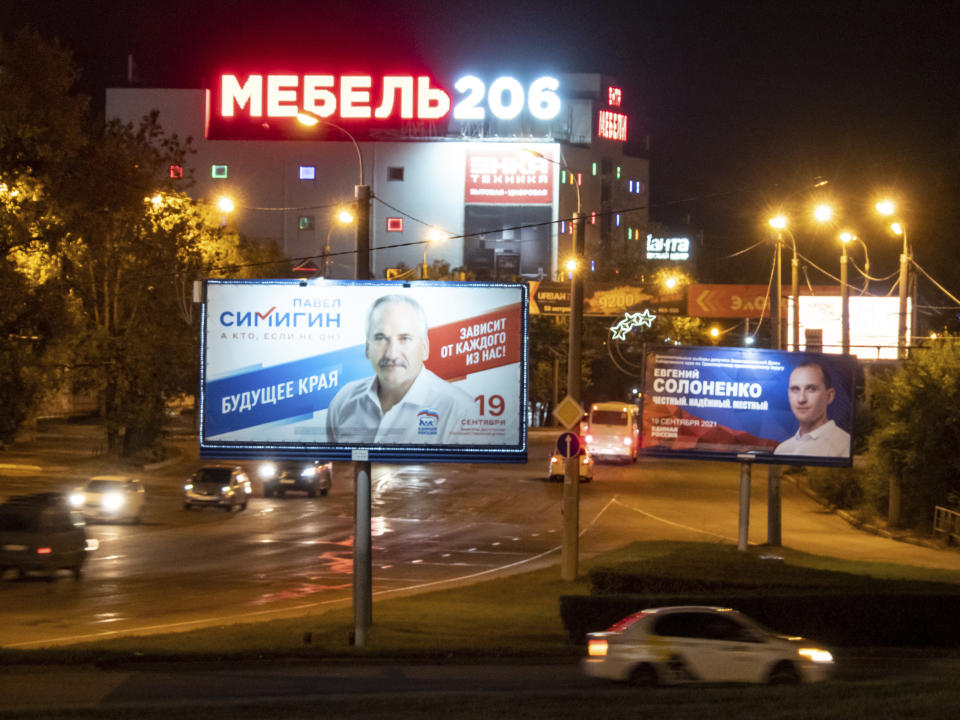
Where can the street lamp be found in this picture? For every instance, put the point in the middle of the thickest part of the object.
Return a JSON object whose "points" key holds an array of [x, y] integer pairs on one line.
{"points": [[570, 547], [779, 223], [887, 207], [363, 536], [343, 217], [434, 235]]}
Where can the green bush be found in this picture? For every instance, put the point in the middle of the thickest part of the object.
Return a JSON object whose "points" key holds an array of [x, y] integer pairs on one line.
{"points": [[840, 487]]}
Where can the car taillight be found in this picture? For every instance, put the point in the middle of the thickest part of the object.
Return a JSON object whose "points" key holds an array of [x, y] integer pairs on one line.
{"points": [[597, 647], [44, 550]]}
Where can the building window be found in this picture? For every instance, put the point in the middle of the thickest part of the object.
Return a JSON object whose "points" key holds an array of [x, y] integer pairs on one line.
{"points": [[176, 172], [218, 172], [395, 173], [395, 224], [305, 222], [307, 172]]}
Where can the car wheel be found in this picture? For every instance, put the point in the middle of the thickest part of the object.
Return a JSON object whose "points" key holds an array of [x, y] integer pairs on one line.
{"points": [[784, 673], [77, 572], [228, 508], [555, 478], [243, 506], [324, 492], [187, 506], [643, 676], [312, 492]]}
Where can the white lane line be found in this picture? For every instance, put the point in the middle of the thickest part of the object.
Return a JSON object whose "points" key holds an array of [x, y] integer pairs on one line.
{"points": [[674, 524], [246, 616]]}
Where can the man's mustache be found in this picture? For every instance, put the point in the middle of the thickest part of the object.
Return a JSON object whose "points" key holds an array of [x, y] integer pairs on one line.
{"points": [[385, 364]]}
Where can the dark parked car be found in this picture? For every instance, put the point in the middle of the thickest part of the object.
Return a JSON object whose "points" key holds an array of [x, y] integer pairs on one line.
{"points": [[280, 476], [41, 533], [222, 486]]}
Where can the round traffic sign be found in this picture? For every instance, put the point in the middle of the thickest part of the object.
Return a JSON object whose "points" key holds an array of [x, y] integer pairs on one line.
{"points": [[568, 445]]}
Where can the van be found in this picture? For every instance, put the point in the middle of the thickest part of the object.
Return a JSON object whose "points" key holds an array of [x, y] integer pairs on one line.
{"points": [[613, 431]]}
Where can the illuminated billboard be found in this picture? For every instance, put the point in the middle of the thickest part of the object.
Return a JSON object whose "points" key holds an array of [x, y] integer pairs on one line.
{"points": [[873, 324], [504, 174], [243, 104], [364, 370], [735, 404]]}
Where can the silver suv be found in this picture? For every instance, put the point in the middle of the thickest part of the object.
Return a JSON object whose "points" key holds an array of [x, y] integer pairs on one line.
{"points": [[223, 486]]}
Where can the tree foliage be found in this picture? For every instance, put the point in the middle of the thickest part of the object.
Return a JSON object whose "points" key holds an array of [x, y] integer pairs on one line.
{"points": [[916, 435]]}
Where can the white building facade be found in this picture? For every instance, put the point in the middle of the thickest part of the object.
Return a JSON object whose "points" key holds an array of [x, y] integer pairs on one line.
{"points": [[497, 179]]}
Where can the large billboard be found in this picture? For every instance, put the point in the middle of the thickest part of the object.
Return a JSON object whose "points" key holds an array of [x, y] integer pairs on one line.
{"points": [[873, 324], [770, 406], [364, 370]]}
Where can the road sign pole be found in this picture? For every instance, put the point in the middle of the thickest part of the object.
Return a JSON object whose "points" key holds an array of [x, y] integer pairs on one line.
{"points": [[570, 549], [743, 540]]}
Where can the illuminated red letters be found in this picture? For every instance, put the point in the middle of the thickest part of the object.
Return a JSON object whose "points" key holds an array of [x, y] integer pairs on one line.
{"points": [[345, 96]]}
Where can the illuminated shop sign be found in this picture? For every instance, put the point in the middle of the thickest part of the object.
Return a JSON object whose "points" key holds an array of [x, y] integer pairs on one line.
{"points": [[504, 174], [725, 403], [259, 98], [307, 370], [676, 249], [612, 125], [614, 96]]}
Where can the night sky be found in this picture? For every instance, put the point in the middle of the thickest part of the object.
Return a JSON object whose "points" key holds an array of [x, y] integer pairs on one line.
{"points": [[745, 103]]}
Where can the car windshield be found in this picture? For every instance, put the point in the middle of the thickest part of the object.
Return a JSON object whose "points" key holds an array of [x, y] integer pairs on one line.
{"points": [[101, 486], [19, 518], [219, 476]]}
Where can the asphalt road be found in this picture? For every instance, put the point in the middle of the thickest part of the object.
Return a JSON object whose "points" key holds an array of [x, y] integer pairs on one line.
{"points": [[433, 526]]}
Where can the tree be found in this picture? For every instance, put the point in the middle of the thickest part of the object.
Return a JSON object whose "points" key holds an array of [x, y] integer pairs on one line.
{"points": [[41, 125], [916, 436]]}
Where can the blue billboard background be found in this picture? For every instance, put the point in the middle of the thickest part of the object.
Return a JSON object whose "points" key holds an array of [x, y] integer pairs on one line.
{"points": [[722, 402]]}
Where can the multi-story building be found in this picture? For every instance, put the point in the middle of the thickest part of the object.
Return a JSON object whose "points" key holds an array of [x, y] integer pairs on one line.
{"points": [[497, 171]]}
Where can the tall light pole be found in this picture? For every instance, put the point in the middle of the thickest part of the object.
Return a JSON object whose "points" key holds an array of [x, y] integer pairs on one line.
{"points": [[844, 295], [779, 223], [363, 538], [570, 547], [343, 217], [888, 208]]}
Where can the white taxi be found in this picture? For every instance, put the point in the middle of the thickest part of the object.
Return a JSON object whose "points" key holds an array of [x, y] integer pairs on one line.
{"points": [[690, 644]]}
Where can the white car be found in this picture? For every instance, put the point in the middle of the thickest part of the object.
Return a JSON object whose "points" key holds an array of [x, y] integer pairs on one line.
{"points": [[672, 645], [110, 498], [557, 463]]}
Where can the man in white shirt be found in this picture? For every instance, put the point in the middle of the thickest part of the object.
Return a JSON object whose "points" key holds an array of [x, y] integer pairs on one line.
{"points": [[403, 402], [810, 392]]}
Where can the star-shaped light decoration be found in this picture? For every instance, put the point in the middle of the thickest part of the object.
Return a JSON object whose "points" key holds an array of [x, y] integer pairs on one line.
{"points": [[631, 321]]}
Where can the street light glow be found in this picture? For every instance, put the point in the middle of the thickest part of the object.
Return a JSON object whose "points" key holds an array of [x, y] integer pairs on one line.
{"points": [[846, 237], [225, 204], [570, 265], [345, 217], [897, 228], [779, 222], [823, 213], [886, 207]]}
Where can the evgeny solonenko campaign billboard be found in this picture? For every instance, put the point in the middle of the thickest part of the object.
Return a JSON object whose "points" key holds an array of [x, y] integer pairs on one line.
{"points": [[290, 371], [723, 403]]}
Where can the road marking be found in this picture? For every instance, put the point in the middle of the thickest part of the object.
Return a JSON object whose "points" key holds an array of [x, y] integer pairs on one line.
{"points": [[670, 522]]}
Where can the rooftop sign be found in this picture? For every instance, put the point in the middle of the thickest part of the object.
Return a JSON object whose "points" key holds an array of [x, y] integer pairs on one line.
{"points": [[240, 102]]}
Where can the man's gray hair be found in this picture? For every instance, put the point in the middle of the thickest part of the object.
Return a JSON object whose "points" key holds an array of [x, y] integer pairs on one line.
{"points": [[397, 298]]}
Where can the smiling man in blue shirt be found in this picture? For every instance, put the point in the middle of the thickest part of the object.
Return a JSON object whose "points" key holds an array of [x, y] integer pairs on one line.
{"points": [[811, 392]]}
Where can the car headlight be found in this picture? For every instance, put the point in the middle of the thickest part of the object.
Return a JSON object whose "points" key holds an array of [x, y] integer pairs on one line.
{"points": [[225, 490], [76, 499], [188, 487], [267, 470], [308, 471], [113, 501], [817, 655]]}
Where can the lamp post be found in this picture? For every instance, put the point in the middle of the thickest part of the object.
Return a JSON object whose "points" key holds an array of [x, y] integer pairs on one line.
{"points": [[570, 548], [343, 217], [363, 537], [888, 207], [844, 295], [779, 223], [434, 235]]}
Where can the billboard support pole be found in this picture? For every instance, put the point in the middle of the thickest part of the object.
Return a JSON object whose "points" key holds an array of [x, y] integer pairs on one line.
{"points": [[743, 542], [362, 535], [570, 549]]}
